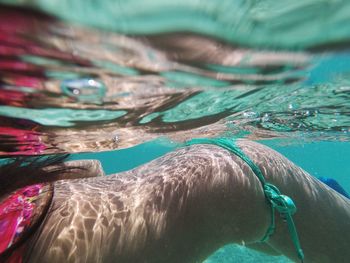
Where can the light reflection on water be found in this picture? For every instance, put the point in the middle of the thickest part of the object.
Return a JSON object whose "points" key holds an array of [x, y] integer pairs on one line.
{"points": [[67, 88]]}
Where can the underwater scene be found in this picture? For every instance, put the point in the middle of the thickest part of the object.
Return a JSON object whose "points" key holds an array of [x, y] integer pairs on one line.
{"points": [[128, 83]]}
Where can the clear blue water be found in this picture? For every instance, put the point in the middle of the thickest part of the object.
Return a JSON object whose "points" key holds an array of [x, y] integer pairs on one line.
{"points": [[321, 159]]}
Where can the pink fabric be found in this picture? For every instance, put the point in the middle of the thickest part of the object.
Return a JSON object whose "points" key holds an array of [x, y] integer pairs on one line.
{"points": [[8, 225], [16, 213]]}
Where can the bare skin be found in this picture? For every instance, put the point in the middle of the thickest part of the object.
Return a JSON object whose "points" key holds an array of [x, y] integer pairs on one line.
{"points": [[185, 205]]}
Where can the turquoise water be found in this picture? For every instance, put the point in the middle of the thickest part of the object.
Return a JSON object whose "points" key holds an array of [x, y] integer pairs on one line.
{"points": [[126, 159], [267, 23], [320, 159], [125, 82]]}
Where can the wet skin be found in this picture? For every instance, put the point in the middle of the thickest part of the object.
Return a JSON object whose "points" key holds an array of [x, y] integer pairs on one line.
{"points": [[185, 205]]}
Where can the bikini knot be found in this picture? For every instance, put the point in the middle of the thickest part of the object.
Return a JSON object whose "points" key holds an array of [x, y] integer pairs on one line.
{"points": [[284, 204]]}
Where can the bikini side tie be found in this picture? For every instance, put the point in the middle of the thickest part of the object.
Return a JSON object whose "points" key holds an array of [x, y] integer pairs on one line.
{"points": [[282, 203]]}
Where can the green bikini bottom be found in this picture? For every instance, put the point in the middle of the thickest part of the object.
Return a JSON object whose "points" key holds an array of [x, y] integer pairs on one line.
{"points": [[282, 203]]}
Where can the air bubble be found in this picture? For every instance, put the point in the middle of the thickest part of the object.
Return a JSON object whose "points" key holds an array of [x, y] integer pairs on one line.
{"points": [[85, 89]]}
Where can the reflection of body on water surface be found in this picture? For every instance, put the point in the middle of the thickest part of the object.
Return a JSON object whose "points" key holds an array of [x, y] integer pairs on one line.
{"points": [[120, 91], [65, 79]]}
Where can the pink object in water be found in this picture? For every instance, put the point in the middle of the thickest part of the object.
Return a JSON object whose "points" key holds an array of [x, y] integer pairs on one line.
{"points": [[26, 141], [28, 81], [16, 212]]}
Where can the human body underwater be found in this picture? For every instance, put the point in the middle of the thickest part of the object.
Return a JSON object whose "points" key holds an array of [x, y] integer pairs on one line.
{"points": [[180, 208], [183, 206]]}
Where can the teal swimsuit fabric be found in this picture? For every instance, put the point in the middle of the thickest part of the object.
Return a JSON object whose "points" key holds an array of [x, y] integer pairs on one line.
{"points": [[284, 204]]}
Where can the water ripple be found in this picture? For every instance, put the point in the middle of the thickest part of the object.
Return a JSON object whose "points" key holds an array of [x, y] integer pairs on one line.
{"points": [[67, 88]]}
